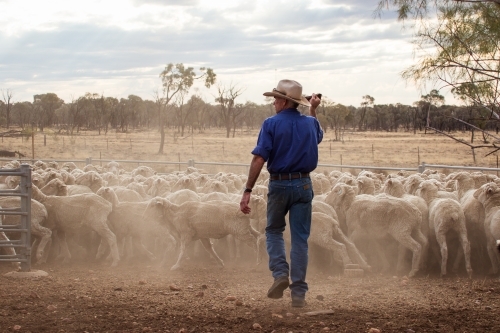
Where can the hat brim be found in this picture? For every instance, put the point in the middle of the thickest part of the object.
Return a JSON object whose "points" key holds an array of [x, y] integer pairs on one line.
{"points": [[301, 101]]}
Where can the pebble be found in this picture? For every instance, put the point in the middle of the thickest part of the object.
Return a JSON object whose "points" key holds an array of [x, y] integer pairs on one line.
{"points": [[51, 307], [320, 297], [230, 298], [256, 326], [142, 282], [373, 330], [326, 329], [200, 294], [276, 315], [174, 287], [239, 303], [487, 307], [16, 327], [288, 314], [204, 286]]}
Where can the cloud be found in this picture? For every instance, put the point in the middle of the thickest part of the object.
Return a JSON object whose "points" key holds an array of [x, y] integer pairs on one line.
{"points": [[242, 41]]}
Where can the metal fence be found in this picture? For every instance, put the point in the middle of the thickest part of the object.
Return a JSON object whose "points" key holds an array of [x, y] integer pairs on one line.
{"points": [[23, 244], [214, 167]]}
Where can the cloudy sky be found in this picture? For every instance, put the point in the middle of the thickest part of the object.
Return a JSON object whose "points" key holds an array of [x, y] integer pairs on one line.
{"points": [[119, 47]]}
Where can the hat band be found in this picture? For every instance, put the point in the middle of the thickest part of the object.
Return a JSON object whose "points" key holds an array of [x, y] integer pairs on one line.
{"points": [[282, 93]]}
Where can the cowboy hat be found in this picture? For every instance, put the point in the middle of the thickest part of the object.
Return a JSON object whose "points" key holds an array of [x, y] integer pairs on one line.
{"points": [[290, 90]]}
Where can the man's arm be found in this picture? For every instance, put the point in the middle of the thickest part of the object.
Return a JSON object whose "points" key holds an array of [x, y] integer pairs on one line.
{"points": [[255, 168]]}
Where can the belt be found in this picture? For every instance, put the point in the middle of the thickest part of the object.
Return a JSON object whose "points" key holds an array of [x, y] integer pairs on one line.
{"points": [[289, 176]]}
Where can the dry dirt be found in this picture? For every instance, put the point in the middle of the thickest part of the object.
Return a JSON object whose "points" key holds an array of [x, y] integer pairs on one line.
{"points": [[142, 297], [137, 297]]}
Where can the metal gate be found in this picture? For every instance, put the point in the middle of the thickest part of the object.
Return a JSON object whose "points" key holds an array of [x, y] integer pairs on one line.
{"points": [[23, 244]]}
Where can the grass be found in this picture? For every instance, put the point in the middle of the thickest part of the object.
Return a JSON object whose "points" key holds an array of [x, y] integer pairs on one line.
{"points": [[401, 149]]}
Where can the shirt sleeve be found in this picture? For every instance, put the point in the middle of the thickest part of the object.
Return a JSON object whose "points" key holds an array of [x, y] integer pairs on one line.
{"points": [[264, 142], [320, 132]]}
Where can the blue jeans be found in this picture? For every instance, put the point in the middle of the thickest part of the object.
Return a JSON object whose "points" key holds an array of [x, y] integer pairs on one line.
{"points": [[293, 197]]}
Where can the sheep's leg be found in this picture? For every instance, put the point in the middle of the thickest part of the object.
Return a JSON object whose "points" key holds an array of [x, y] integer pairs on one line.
{"points": [[492, 251], [141, 248], [406, 240], [458, 259], [464, 241], [110, 238], [171, 245], [43, 238], [210, 249], [337, 248], [424, 242], [10, 250], [181, 254], [441, 239], [352, 251], [400, 266], [63, 247]]}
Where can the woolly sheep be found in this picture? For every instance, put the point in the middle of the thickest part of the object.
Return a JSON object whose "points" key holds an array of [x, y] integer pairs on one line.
{"points": [[445, 214], [72, 212], [489, 196], [374, 217], [204, 220], [39, 215]]}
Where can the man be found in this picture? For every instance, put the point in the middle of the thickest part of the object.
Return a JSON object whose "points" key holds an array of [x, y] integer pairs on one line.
{"points": [[288, 141]]}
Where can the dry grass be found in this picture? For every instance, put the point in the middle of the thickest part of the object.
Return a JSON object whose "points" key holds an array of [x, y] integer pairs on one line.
{"points": [[359, 148]]}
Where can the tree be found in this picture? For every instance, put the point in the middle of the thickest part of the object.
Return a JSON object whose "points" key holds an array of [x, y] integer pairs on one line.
{"points": [[432, 99], [48, 104], [226, 97], [7, 100], [366, 102], [175, 79]]}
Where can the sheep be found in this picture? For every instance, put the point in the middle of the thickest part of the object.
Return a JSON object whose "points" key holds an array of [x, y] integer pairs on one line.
{"points": [[127, 195], [204, 220], [474, 214], [8, 250], [39, 215], [184, 195], [69, 166], [445, 214], [395, 188], [368, 217], [326, 233], [128, 219], [144, 171], [214, 186], [78, 189], [113, 167], [366, 185], [489, 196], [71, 212], [55, 187], [91, 179]]}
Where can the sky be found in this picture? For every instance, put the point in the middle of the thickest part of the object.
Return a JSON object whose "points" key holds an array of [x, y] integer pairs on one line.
{"points": [[118, 48]]}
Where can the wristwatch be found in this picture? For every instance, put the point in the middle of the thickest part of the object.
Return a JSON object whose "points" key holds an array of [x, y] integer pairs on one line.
{"points": [[247, 190]]}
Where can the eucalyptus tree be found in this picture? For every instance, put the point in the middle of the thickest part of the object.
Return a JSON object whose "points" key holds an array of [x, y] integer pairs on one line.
{"points": [[175, 79], [48, 103], [7, 97], [228, 112], [367, 101]]}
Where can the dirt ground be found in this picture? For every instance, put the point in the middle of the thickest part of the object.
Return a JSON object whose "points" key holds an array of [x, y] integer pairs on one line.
{"points": [[201, 297]]}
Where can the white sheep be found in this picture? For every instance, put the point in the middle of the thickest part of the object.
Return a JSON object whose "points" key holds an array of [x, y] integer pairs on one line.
{"points": [[129, 219], [204, 220], [445, 214], [72, 212], [489, 196], [394, 187], [374, 217], [39, 215]]}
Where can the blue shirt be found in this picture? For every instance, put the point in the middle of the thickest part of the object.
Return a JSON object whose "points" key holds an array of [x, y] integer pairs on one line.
{"points": [[288, 142]]}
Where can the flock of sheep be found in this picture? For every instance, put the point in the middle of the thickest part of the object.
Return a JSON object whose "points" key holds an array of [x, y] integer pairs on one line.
{"points": [[408, 223]]}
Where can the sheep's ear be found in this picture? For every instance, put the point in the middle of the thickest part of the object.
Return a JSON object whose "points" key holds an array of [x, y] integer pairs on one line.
{"points": [[389, 181], [339, 191]]}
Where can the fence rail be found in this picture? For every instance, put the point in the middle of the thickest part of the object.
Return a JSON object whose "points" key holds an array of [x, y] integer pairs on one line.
{"points": [[192, 163], [23, 244]]}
